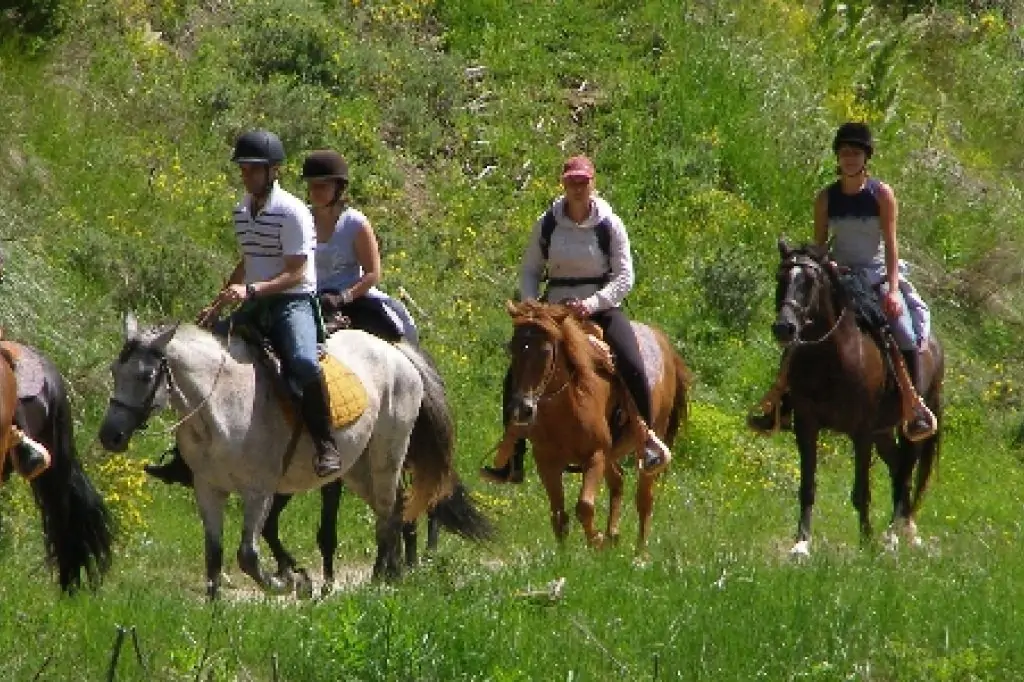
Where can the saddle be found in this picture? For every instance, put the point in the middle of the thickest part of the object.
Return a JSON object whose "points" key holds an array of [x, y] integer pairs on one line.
{"points": [[868, 314], [29, 379], [347, 398]]}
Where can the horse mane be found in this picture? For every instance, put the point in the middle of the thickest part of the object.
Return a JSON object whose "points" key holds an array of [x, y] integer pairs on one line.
{"points": [[585, 361]]}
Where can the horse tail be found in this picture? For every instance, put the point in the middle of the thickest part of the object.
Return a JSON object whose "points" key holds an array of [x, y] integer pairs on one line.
{"points": [[459, 514], [431, 453], [77, 526], [680, 403]]}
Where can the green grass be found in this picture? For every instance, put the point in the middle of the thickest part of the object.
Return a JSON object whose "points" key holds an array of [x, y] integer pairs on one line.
{"points": [[709, 123]]}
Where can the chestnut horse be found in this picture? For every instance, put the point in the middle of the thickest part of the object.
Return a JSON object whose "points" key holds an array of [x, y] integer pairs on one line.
{"points": [[569, 402], [839, 379], [77, 526]]}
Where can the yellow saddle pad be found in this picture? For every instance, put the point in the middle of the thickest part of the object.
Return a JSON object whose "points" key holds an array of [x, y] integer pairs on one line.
{"points": [[346, 396]]}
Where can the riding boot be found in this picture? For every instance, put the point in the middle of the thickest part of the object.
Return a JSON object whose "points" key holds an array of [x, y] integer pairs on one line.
{"points": [[173, 471], [776, 407], [508, 467], [314, 411], [30, 457], [922, 424], [656, 454]]}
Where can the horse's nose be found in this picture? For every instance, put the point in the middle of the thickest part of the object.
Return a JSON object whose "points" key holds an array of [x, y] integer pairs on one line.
{"points": [[784, 331], [112, 438], [523, 410]]}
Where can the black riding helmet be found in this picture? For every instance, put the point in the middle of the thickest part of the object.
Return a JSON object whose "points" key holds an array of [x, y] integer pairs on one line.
{"points": [[325, 164], [258, 146], [856, 134]]}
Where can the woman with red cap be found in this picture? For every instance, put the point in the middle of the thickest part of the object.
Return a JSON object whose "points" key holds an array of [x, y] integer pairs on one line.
{"points": [[582, 246]]}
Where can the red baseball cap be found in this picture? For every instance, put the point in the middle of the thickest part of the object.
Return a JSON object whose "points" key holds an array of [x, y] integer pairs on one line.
{"points": [[578, 168]]}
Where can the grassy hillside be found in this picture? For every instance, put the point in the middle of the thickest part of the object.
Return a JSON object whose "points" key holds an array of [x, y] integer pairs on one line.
{"points": [[710, 125]]}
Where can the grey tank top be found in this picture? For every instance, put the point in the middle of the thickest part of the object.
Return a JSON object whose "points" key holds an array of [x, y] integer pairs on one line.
{"points": [[855, 225]]}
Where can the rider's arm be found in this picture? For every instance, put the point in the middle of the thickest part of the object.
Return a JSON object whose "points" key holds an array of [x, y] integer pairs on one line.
{"points": [[368, 255], [888, 212], [292, 275], [620, 260], [532, 267]]}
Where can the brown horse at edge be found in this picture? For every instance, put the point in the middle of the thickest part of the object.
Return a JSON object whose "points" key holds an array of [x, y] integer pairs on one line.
{"points": [[568, 401]]}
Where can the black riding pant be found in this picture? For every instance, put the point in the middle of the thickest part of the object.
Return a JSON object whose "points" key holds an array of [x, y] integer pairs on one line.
{"points": [[619, 334], [367, 313]]}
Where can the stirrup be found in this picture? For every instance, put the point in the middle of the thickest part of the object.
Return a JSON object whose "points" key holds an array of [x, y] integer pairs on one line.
{"points": [[922, 426]]}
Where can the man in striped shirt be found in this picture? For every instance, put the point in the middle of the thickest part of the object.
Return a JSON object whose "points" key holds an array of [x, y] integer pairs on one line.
{"points": [[276, 281]]}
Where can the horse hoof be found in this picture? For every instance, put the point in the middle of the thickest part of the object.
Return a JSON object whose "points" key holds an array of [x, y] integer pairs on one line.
{"points": [[327, 589], [642, 560], [597, 541], [801, 550]]}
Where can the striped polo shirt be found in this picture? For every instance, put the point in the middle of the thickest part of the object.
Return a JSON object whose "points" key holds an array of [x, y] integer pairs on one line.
{"points": [[284, 227]]}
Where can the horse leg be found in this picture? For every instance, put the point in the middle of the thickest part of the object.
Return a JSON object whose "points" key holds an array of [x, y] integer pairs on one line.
{"points": [[327, 533], [211, 502], [433, 530], [410, 539], [807, 444], [644, 510], [592, 475], [271, 533], [861, 493], [901, 461], [551, 477], [255, 507], [613, 477], [388, 564]]}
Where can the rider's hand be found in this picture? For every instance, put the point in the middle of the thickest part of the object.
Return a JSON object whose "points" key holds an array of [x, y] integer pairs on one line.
{"points": [[892, 304], [578, 308], [232, 293]]}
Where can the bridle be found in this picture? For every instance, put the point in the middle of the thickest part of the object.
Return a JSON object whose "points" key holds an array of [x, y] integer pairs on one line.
{"points": [[800, 310], [163, 377], [540, 392]]}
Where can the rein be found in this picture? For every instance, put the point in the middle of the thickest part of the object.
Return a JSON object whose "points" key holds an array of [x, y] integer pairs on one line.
{"points": [[798, 342]]}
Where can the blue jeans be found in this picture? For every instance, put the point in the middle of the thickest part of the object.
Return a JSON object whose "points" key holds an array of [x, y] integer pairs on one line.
{"points": [[903, 326], [290, 324]]}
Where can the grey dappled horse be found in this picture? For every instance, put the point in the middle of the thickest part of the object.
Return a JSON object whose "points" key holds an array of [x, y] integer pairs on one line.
{"points": [[234, 433]]}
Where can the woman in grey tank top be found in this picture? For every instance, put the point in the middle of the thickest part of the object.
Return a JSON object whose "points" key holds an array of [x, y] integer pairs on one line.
{"points": [[859, 213], [347, 256]]}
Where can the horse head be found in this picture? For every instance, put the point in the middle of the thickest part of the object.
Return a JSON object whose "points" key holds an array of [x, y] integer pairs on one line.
{"points": [[549, 352], [141, 383], [805, 294]]}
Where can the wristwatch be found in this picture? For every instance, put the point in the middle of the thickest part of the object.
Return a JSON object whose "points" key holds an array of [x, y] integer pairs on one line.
{"points": [[250, 292]]}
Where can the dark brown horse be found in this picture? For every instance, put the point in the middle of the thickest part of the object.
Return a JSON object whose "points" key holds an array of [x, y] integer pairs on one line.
{"points": [[77, 527], [839, 379], [567, 399]]}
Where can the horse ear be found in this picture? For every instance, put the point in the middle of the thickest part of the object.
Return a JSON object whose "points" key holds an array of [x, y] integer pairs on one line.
{"points": [[129, 326], [164, 337], [818, 253], [784, 249]]}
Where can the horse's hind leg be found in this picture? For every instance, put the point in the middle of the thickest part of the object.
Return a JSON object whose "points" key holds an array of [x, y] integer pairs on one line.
{"points": [[388, 564], [211, 510], [271, 533], [613, 477], [256, 506], [327, 533], [410, 538], [861, 493], [644, 509]]}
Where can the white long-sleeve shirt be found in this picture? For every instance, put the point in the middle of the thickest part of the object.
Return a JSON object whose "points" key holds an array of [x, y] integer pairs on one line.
{"points": [[574, 252]]}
